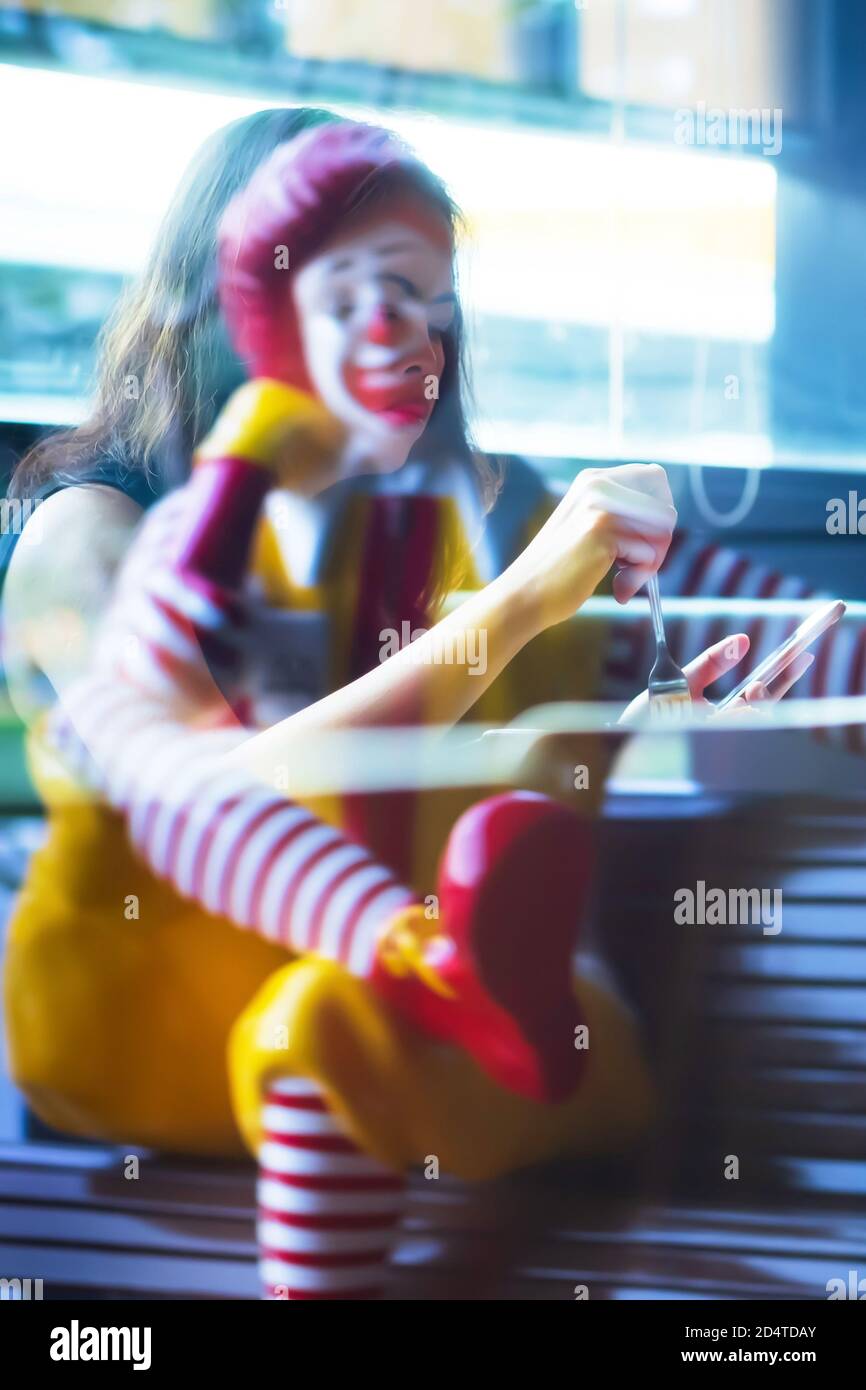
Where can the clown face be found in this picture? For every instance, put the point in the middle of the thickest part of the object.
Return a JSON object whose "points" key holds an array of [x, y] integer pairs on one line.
{"points": [[371, 309]]}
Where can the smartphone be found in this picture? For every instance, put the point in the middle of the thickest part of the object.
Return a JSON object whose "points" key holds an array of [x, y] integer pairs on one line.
{"points": [[773, 665]]}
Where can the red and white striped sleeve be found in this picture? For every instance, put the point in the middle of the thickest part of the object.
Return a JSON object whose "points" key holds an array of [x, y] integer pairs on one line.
{"points": [[149, 718]]}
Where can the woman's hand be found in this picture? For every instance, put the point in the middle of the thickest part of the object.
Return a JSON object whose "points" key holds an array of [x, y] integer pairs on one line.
{"points": [[623, 516], [712, 664]]}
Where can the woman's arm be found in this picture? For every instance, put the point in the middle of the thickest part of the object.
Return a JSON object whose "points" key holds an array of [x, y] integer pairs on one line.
{"points": [[620, 514], [58, 585]]}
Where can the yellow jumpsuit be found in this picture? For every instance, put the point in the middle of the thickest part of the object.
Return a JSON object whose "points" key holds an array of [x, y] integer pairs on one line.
{"points": [[136, 1017]]}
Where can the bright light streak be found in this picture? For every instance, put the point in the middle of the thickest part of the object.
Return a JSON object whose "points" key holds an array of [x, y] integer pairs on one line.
{"points": [[564, 229]]}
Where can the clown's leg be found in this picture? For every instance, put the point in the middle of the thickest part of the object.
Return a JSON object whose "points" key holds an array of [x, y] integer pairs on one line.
{"points": [[327, 1213], [403, 1100], [491, 973]]}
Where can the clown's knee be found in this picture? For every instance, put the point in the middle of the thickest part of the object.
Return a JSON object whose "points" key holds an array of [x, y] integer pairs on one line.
{"points": [[315, 1020]]}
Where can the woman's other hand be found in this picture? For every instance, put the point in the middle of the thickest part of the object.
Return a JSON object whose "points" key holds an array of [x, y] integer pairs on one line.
{"points": [[715, 662]]}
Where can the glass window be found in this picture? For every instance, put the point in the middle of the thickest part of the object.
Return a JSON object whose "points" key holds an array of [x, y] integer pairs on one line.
{"points": [[654, 267]]}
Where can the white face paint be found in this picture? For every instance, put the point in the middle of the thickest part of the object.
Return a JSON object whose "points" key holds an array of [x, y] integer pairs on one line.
{"points": [[372, 307]]}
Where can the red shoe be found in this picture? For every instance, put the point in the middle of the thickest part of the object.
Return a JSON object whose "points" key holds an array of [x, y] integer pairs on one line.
{"points": [[494, 974]]}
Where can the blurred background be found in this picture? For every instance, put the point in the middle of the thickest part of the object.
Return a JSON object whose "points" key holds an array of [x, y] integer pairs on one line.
{"points": [[665, 219], [666, 223], [620, 273]]}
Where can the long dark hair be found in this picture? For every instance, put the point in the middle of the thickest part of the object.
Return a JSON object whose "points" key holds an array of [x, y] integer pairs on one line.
{"points": [[164, 362]]}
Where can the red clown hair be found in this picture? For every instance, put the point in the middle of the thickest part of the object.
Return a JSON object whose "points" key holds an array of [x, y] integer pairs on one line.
{"points": [[292, 204]]}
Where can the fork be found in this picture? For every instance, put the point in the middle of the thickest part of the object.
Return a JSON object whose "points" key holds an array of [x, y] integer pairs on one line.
{"points": [[669, 693]]}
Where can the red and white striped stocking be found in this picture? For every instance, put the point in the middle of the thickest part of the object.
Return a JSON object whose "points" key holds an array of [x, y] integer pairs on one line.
{"points": [[327, 1213]]}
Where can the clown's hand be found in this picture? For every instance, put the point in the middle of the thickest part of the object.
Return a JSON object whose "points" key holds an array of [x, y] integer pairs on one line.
{"points": [[285, 431], [714, 663]]}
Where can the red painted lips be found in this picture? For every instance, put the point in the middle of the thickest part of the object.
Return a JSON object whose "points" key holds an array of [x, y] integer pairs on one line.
{"points": [[402, 403]]}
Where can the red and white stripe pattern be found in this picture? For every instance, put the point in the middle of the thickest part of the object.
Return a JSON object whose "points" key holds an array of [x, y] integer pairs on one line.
{"points": [[224, 840], [169, 630], [327, 1213]]}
